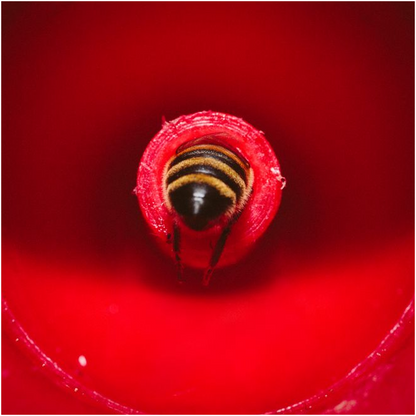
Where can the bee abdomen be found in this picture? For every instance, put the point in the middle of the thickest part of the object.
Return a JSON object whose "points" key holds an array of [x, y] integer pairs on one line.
{"points": [[205, 181]]}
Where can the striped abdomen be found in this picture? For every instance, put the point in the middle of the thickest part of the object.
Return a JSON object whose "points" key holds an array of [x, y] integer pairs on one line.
{"points": [[205, 181]]}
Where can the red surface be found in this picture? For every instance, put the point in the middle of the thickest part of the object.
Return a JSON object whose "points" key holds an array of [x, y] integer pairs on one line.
{"points": [[259, 211], [84, 89]]}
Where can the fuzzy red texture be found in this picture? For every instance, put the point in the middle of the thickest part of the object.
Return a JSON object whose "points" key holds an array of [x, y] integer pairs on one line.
{"points": [[260, 208]]}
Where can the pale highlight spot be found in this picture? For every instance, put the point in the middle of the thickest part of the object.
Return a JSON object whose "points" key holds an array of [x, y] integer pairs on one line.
{"points": [[82, 361], [345, 406], [282, 179]]}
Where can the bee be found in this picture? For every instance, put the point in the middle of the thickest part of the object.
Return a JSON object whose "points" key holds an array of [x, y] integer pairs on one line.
{"points": [[206, 183]]}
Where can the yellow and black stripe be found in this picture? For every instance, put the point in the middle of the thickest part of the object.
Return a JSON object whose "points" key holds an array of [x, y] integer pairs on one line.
{"points": [[205, 181]]}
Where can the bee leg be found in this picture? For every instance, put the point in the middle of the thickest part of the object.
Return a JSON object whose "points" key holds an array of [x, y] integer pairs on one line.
{"points": [[216, 254], [219, 247], [177, 250]]}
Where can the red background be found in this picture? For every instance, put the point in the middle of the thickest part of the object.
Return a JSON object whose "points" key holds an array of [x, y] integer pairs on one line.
{"points": [[84, 88]]}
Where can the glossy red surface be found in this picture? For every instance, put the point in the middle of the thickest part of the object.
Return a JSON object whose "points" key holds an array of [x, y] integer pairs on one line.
{"points": [[259, 210], [84, 88]]}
